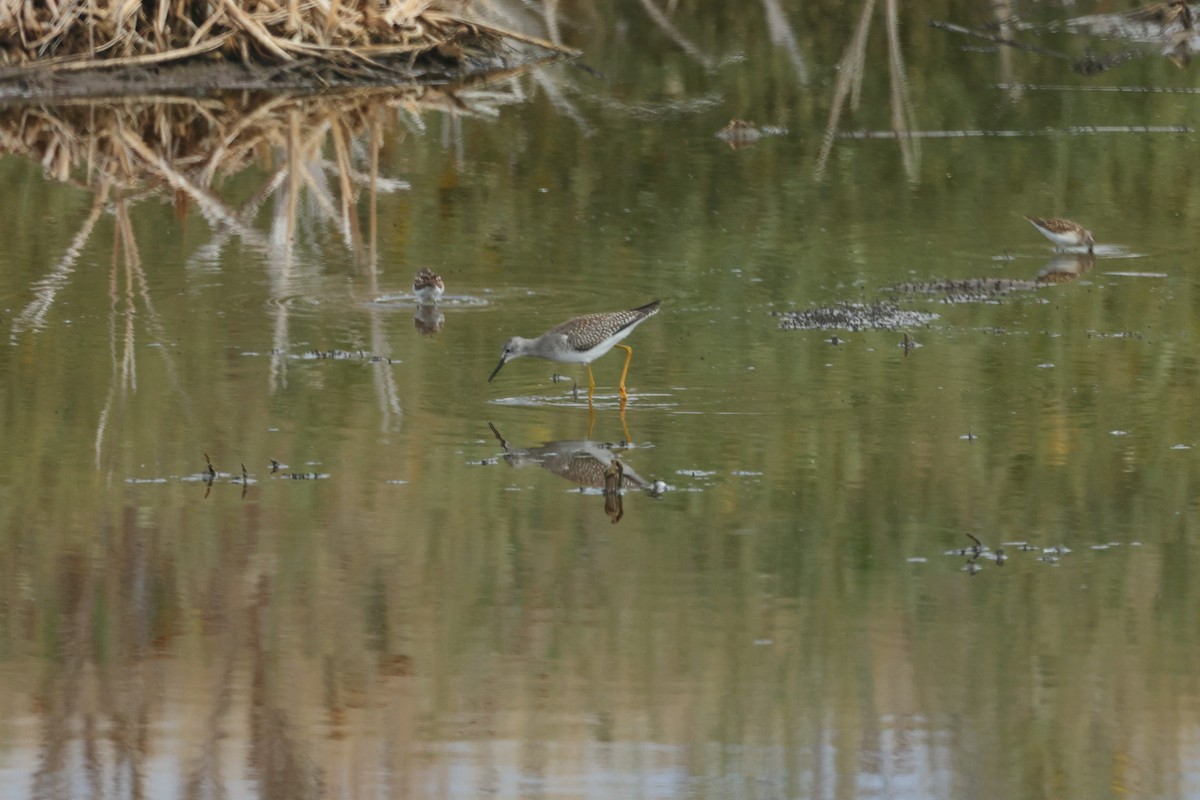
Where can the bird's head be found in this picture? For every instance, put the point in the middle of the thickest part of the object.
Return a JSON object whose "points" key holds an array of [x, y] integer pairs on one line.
{"points": [[513, 348]]}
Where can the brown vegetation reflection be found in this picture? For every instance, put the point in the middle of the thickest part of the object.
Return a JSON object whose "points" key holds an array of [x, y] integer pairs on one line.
{"points": [[103, 686], [318, 158]]}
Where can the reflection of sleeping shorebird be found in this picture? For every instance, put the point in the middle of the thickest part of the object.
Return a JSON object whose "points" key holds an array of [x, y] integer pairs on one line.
{"points": [[1066, 267], [580, 461], [428, 320]]}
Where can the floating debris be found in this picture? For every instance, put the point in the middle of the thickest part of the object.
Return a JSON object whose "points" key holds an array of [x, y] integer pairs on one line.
{"points": [[854, 317], [967, 290], [1114, 335], [978, 552], [349, 355]]}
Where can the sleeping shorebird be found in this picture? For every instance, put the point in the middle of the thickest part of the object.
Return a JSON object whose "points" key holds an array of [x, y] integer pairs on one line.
{"points": [[428, 286]]}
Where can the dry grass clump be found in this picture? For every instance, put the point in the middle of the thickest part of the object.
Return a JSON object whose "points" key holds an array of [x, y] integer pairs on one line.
{"points": [[356, 35]]}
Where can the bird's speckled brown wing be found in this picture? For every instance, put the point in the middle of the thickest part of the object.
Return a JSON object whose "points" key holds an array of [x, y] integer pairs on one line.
{"points": [[585, 332]]}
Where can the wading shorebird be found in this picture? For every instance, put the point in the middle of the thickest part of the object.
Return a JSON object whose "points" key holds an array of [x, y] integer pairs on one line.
{"points": [[581, 341], [428, 286], [1063, 232]]}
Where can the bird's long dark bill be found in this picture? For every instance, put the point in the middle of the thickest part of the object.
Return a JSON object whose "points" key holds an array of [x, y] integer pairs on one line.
{"points": [[497, 369]]}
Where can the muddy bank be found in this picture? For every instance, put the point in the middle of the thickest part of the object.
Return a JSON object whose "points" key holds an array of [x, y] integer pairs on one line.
{"points": [[207, 78]]}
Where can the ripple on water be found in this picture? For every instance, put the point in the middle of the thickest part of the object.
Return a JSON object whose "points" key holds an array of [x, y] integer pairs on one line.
{"points": [[405, 301], [599, 401]]}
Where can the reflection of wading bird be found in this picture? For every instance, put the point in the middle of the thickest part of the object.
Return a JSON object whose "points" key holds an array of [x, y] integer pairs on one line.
{"points": [[1063, 232], [581, 341], [589, 464]]}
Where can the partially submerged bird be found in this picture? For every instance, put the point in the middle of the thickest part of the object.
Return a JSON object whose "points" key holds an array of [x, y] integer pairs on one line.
{"points": [[581, 341], [1063, 232], [428, 286]]}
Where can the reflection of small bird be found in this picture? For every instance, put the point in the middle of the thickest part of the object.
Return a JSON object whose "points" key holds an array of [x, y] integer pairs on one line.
{"points": [[1067, 267], [1063, 232], [581, 341], [428, 286], [428, 320], [739, 133]]}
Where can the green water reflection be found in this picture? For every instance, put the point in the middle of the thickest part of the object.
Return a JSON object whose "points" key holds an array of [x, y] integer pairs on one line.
{"points": [[400, 609]]}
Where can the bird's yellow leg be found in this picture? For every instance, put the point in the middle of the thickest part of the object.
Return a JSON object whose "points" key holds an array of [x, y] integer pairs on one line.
{"points": [[628, 356], [591, 384]]}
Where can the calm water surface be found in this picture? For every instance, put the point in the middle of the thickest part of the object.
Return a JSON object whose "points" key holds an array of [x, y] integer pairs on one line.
{"points": [[429, 593]]}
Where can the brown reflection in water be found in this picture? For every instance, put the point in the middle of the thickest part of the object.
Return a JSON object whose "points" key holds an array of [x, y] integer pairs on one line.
{"points": [[126, 151], [97, 693], [275, 757], [1066, 267], [428, 320], [589, 464]]}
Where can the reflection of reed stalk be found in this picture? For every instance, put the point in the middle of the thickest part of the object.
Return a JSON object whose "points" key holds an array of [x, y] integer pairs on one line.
{"points": [[902, 111], [675, 35], [183, 145], [848, 88], [782, 34]]}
